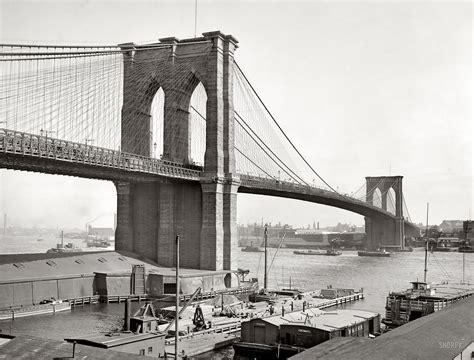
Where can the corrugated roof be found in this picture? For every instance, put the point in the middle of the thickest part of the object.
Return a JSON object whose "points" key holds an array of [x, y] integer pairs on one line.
{"points": [[17, 268]]}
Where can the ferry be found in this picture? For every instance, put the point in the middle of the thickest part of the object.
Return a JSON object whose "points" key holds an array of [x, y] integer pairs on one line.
{"points": [[329, 252]]}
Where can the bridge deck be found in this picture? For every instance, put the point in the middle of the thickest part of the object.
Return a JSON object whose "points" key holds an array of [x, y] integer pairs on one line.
{"points": [[25, 147]]}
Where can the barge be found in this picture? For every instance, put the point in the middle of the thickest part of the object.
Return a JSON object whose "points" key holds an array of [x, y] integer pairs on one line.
{"points": [[47, 308], [329, 252], [422, 299], [375, 253]]}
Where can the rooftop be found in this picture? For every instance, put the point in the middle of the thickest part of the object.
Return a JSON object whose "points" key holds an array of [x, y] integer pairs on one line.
{"points": [[319, 319], [27, 267], [110, 340], [441, 335], [29, 347]]}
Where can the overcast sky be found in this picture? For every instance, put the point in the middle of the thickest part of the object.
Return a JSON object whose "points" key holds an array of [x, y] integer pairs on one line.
{"points": [[362, 88]]}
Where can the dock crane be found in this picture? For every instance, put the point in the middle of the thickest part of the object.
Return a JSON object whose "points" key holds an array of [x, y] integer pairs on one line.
{"points": [[193, 296]]}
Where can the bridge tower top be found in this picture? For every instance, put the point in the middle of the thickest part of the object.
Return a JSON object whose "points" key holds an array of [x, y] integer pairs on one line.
{"points": [[384, 184], [178, 66]]}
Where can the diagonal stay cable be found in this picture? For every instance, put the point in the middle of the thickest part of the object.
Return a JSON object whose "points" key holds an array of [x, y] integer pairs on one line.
{"points": [[284, 134], [193, 108], [236, 148], [269, 149]]}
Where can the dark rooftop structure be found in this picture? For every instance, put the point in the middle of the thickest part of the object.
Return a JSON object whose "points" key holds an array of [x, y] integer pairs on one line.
{"points": [[30, 347], [441, 335]]}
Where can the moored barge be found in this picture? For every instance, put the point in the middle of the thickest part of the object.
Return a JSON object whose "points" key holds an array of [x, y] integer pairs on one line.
{"points": [[422, 299]]}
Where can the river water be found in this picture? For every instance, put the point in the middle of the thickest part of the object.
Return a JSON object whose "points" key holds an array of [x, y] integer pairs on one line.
{"points": [[377, 276]]}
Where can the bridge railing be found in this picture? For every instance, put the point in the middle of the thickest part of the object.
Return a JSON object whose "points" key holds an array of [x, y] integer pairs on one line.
{"points": [[15, 142]]}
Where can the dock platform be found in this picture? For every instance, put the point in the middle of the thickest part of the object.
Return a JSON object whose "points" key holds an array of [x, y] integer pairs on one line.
{"points": [[197, 343]]}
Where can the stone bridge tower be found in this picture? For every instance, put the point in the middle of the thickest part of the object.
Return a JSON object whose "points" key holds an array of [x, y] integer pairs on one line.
{"points": [[150, 215], [383, 232]]}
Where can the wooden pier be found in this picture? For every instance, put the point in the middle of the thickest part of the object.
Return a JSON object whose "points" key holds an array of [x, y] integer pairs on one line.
{"points": [[339, 301], [196, 343], [81, 301], [107, 299], [122, 298], [212, 294]]}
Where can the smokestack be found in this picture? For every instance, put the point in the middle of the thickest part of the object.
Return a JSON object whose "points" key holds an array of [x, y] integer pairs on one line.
{"points": [[318, 225], [4, 224], [126, 322]]}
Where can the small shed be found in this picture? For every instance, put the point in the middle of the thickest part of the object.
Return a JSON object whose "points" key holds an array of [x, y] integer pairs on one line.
{"points": [[261, 331], [146, 344]]}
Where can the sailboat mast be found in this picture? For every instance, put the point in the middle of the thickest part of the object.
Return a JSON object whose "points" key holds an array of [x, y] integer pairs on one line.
{"points": [[265, 275], [426, 244]]}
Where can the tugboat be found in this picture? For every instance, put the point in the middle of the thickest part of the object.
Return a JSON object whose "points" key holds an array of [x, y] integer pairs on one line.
{"points": [[252, 248], [61, 248]]}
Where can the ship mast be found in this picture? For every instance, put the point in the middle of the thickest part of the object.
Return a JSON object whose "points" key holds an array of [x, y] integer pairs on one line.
{"points": [[426, 242], [265, 275]]}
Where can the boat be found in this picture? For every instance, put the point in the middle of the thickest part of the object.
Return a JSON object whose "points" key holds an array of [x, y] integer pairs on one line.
{"points": [[374, 253], [466, 249], [329, 252], [45, 307], [252, 248], [441, 248], [423, 298], [61, 248], [39, 239], [98, 243]]}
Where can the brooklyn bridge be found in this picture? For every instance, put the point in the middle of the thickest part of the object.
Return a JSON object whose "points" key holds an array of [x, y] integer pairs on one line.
{"points": [[179, 129]]}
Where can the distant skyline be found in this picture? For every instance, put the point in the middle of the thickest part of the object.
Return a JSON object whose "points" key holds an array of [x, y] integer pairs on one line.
{"points": [[362, 88]]}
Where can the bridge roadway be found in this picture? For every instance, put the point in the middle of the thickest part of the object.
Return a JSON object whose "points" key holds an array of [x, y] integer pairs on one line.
{"points": [[23, 151]]}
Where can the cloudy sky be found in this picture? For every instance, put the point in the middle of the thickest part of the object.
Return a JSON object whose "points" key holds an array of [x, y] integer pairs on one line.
{"points": [[363, 89]]}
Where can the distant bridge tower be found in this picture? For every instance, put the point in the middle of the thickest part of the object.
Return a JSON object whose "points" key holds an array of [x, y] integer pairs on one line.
{"points": [[384, 232], [150, 215]]}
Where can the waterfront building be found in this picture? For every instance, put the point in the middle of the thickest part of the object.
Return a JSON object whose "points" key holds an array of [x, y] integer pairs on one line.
{"points": [[295, 331], [29, 279]]}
